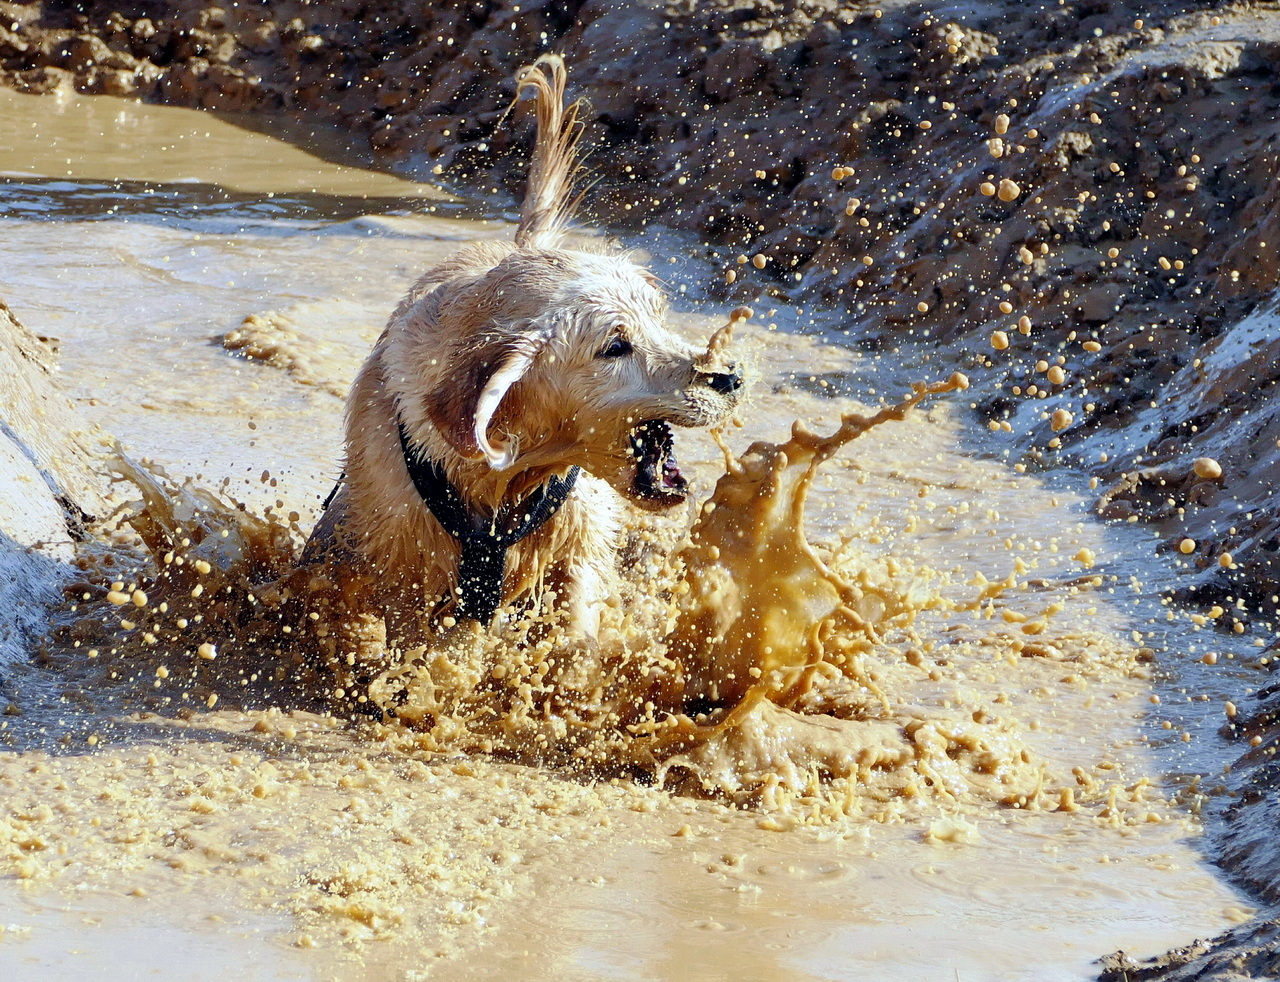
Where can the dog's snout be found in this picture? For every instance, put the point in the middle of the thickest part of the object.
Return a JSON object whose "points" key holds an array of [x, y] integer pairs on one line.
{"points": [[725, 383]]}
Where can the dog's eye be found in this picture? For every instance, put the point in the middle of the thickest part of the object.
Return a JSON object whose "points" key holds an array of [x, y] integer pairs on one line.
{"points": [[616, 348]]}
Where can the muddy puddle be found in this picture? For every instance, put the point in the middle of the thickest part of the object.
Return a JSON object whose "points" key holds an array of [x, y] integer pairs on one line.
{"points": [[972, 779]]}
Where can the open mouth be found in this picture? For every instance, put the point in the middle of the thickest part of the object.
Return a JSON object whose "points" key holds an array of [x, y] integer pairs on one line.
{"points": [[658, 478]]}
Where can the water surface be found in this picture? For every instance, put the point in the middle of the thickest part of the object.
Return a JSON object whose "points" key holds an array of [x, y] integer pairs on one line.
{"points": [[285, 846]]}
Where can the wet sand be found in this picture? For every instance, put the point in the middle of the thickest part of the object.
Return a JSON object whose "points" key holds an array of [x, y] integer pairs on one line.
{"points": [[364, 852]]}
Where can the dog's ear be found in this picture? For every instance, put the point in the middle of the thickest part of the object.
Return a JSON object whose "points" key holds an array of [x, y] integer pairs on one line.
{"points": [[463, 410]]}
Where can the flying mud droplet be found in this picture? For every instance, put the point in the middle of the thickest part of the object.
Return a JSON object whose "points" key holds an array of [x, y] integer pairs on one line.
{"points": [[1207, 468], [714, 357]]}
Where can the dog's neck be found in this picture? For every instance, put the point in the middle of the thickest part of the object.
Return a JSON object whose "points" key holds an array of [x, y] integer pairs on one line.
{"points": [[484, 536], [544, 456]]}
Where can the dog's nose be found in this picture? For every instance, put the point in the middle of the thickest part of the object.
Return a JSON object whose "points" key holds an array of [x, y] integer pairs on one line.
{"points": [[724, 382]]}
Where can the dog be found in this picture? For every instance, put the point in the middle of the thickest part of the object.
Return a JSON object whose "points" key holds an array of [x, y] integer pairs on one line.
{"points": [[520, 392]]}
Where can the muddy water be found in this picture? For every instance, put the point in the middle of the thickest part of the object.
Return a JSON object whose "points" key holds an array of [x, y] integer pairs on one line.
{"points": [[287, 845], [96, 142]]}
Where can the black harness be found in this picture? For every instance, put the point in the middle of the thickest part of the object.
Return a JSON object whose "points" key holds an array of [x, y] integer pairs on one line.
{"points": [[484, 539]]}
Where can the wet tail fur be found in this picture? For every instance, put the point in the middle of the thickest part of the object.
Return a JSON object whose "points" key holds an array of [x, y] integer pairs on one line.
{"points": [[550, 199]]}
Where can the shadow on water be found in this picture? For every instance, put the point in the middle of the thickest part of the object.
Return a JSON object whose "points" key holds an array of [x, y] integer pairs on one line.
{"points": [[330, 143]]}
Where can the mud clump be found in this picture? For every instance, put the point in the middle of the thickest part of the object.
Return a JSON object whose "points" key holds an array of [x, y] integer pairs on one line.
{"points": [[1245, 952], [273, 339]]}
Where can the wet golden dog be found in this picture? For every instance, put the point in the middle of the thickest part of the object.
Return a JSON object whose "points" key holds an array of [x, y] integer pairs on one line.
{"points": [[519, 392]]}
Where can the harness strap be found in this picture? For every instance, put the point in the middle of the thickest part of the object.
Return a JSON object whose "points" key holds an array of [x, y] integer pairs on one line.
{"points": [[484, 539]]}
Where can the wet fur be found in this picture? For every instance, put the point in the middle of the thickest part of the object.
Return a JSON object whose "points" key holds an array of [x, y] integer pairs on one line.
{"points": [[493, 363]]}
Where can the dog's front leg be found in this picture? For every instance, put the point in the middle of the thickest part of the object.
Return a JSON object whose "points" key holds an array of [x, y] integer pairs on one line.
{"points": [[588, 577], [585, 590], [350, 632], [582, 586]]}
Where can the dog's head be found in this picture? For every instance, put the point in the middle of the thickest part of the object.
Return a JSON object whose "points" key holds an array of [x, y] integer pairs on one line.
{"points": [[538, 357], [555, 357]]}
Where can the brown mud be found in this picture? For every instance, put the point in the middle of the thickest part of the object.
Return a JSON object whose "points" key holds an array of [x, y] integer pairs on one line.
{"points": [[748, 664], [205, 746], [1103, 169]]}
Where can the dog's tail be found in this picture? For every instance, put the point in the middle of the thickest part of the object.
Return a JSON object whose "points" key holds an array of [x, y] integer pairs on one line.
{"points": [[550, 201]]}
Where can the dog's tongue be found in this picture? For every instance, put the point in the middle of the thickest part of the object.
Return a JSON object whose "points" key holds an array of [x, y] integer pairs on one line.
{"points": [[671, 476], [658, 473]]}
